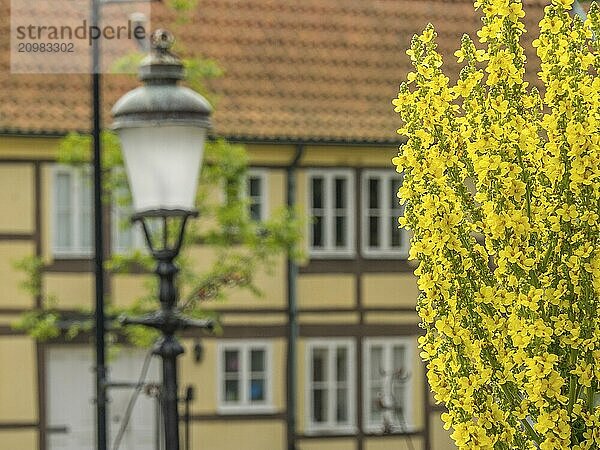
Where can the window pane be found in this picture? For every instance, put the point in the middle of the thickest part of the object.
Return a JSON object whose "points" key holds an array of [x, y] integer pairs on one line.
{"points": [[63, 191], [398, 393], [342, 364], [232, 390], [317, 192], [317, 232], [85, 202], [396, 232], [319, 405], [373, 231], [319, 362], [63, 230], [342, 405], [395, 184], [257, 360], [232, 361], [399, 358], [340, 231], [257, 390], [340, 193], [254, 186], [373, 193], [375, 405], [376, 363], [255, 211]]}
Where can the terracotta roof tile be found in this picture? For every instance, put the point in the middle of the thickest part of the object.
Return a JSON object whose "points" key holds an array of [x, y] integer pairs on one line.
{"points": [[310, 70]]}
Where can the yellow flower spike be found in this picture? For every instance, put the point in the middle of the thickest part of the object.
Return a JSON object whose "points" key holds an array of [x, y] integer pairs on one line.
{"points": [[521, 173], [565, 4]]}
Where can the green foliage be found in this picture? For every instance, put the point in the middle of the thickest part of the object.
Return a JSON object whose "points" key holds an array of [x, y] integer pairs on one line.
{"points": [[183, 6], [40, 324], [32, 267]]}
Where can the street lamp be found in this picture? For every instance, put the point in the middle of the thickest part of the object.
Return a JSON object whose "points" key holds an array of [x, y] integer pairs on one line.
{"points": [[162, 128]]}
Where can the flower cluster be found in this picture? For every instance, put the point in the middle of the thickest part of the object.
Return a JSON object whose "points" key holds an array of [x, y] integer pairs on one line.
{"points": [[502, 194]]}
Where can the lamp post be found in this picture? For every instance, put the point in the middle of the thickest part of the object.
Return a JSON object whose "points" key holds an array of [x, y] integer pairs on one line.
{"points": [[162, 128]]}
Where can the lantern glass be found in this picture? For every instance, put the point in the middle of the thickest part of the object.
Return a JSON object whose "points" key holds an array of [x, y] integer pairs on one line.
{"points": [[163, 165]]}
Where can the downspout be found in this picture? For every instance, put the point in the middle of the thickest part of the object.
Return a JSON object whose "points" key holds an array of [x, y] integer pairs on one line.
{"points": [[292, 275]]}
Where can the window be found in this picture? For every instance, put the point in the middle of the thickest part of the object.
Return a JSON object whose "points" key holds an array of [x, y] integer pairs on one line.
{"points": [[381, 236], [256, 189], [244, 376], [126, 236], [387, 384], [72, 213], [330, 389], [331, 232]]}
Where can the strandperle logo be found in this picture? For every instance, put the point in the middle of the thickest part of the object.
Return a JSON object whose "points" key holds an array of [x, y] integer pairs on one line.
{"points": [[84, 31], [57, 36]]}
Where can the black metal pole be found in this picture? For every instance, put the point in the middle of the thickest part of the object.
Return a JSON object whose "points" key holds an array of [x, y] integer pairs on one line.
{"points": [[169, 348], [101, 407]]}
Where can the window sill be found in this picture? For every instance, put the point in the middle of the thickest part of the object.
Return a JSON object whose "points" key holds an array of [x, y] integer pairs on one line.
{"points": [[324, 254], [232, 409], [322, 430], [377, 430], [373, 254], [67, 254]]}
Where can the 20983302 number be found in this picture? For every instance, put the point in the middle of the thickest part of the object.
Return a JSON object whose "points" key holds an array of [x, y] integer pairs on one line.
{"points": [[45, 47]]}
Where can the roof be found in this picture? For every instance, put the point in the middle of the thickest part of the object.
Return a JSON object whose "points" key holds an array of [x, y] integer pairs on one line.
{"points": [[316, 70]]}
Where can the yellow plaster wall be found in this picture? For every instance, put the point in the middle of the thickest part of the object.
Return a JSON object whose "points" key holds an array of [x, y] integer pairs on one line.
{"points": [[301, 385], [46, 208], [416, 373], [273, 287], [29, 148], [19, 439], [396, 443], [239, 435], [272, 284], [398, 290], [18, 385], [270, 154], [12, 295], [17, 196], [71, 290], [126, 288], [276, 188], [253, 319], [328, 444], [203, 375], [301, 205], [349, 156], [440, 438], [316, 318], [391, 317], [326, 291]]}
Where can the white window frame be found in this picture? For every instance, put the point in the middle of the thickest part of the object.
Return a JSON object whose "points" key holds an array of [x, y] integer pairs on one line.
{"points": [[77, 177], [385, 249], [138, 241], [388, 343], [331, 425], [244, 406], [330, 250], [261, 174]]}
